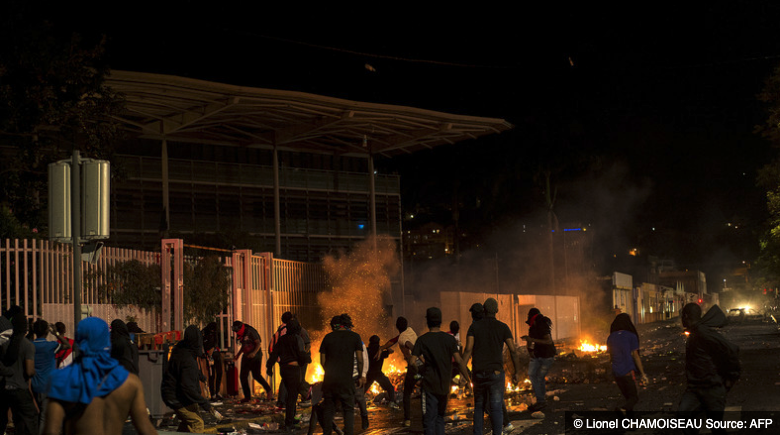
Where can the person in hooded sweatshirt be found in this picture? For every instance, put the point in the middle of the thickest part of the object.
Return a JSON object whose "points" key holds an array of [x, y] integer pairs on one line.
{"points": [[122, 348], [711, 364], [290, 352], [180, 387], [18, 367], [623, 347]]}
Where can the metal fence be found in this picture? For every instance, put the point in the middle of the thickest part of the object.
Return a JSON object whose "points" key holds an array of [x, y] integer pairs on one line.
{"points": [[37, 275]]}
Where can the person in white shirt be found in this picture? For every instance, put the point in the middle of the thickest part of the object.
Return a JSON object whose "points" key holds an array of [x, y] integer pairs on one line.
{"points": [[405, 340]]}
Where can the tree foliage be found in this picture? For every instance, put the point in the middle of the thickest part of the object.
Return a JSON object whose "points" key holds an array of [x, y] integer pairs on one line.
{"points": [[768, 263], [52, 100], [206, 290], [133, 283]]}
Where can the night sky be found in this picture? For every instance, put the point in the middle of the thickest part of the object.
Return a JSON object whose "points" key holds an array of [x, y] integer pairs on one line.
{"points": [[645, 118]]}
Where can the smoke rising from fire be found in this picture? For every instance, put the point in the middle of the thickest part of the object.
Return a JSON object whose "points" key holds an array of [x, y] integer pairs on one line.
{"points": [[597, 207], [360, 283]]}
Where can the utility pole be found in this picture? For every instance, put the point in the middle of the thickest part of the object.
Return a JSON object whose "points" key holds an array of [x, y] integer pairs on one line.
{"points": [[79, 212], [75, 232]]}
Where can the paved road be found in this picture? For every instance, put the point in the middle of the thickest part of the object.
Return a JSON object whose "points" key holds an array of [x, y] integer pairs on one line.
{"points": [[584, 384]]}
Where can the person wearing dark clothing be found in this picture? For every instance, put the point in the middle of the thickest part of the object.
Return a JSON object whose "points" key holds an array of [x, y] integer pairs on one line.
{"points": [[318, 410], [338, 352], [455, 332], [711, 364], [122, 348], [6, 328], [541, 348], [18, 366], [485, 341], [304, 388], [180, 388], [359, 372], [134, 328], [623, 347], [375, 373], [477, 314], [215, 358], [291, 354], [438, 349], [252, 360]]}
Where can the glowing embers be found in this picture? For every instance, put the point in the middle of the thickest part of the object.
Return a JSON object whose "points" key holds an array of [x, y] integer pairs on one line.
{"points": [[589, 347]]}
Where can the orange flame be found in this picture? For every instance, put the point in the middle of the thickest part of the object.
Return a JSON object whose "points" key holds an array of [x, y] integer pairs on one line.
{"points": [[586, 346], [315, 373]]}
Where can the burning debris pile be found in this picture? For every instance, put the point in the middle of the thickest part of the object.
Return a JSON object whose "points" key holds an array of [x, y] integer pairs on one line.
{"points": [[359, 280], [581, 361]]}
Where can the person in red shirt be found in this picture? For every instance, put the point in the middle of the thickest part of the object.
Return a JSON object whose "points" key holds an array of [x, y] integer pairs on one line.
{"points": [[252, 360], [64, 357]]}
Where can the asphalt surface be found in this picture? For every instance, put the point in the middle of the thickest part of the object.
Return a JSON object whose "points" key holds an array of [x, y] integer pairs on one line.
{"points": [[578, 382]]}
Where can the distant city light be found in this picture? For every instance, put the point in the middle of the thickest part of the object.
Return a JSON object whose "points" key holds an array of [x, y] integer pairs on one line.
{"points": [[361, 226]]}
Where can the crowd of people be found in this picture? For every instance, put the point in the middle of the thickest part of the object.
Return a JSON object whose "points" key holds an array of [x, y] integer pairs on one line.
{"points": [[91, 382], [86, 384]]}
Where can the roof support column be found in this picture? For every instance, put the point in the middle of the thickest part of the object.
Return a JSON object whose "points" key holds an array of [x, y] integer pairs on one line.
{"points": [[277, 206], [165, 194], [372, 192]]}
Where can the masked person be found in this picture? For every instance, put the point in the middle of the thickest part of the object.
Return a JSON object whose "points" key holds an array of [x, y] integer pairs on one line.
{"points": [[95, 394], [180, 388], [304, 389], [251, 361], [290, 352], [711, 365], [623, 347], [122, 347], [541, 348]]}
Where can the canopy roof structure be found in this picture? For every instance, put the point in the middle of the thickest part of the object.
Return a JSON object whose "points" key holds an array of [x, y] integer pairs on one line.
{"points": [[196, 111]]}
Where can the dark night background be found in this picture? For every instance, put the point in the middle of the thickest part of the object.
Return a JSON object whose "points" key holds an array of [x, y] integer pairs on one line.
{"points": [[642, 113]]}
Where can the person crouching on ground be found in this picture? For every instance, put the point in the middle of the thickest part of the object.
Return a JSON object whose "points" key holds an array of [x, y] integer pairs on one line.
{"points": [[180, 388], [95, 394], [623, 347]]}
